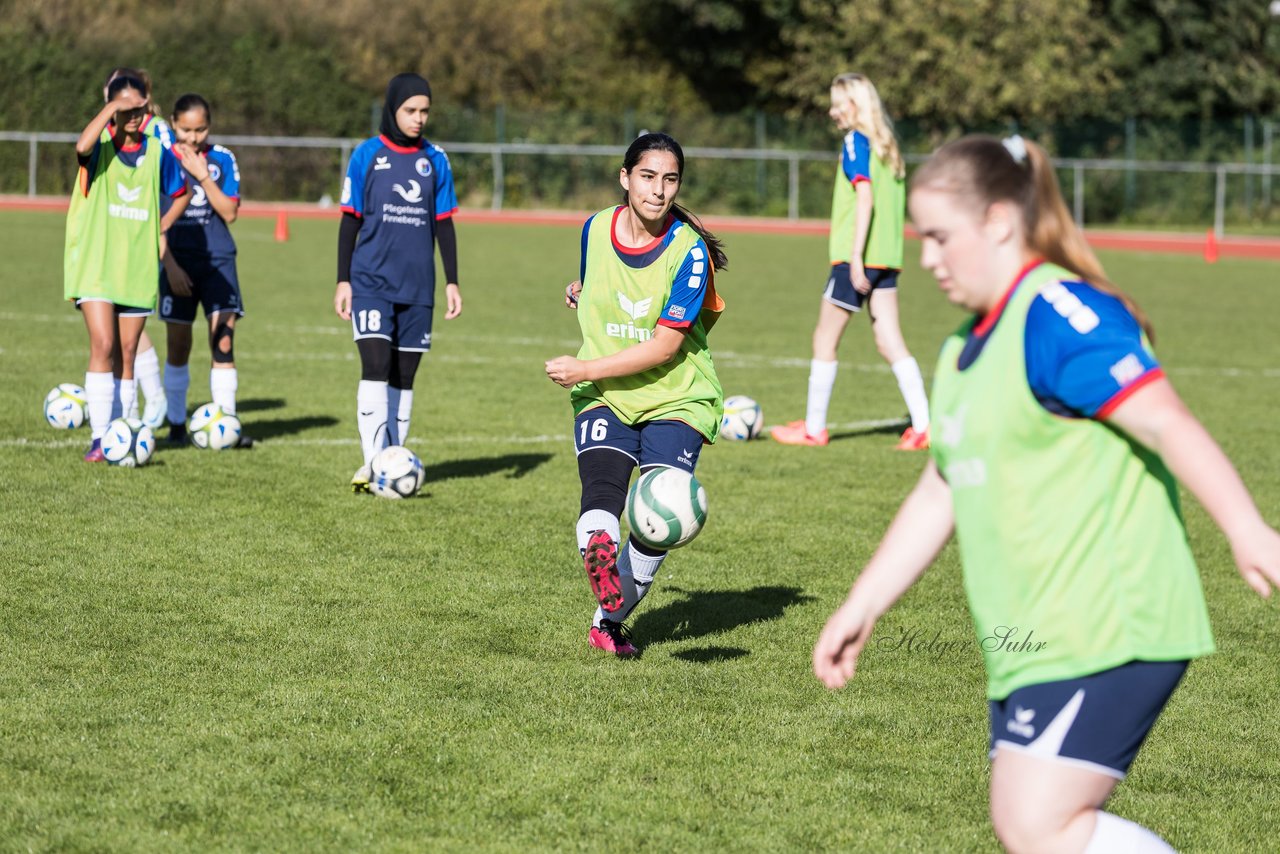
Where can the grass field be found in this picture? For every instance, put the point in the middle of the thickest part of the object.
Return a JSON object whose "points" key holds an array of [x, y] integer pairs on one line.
{"points": [[231, 651]]}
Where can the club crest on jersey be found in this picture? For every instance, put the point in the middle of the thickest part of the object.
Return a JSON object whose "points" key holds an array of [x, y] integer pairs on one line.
{"points": [[412, 195], [423, 165], [214, 172], [381, 162]]}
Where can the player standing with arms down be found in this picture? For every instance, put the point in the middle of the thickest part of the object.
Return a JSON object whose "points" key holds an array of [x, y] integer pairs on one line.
{"points": [[867, 208], [398, 201], [114, 242], [201, 266], [644, 388], [1051, 371]]}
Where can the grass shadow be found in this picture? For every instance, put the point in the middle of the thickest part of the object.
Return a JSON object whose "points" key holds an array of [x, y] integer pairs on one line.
{"points": [[711, 654], [699, 613], [259, 404], [278, 427], [519, 464], [894, 429]]}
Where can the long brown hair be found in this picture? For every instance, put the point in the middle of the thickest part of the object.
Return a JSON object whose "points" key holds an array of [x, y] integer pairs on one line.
{"points": [[984, 170], [662, 142]]}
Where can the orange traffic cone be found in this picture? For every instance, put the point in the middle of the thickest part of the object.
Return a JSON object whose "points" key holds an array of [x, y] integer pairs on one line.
{"points": [[1211, 248], [282, 227]]}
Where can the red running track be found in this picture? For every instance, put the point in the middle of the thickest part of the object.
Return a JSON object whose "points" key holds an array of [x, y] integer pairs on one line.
{"points": [[1133, 241]]}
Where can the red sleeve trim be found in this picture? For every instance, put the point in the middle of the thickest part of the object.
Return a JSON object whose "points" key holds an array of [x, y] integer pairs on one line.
{"points": [[446, 214], [675, 324], [860, 179], [1125, 393], [181, 191], [352, 211]]}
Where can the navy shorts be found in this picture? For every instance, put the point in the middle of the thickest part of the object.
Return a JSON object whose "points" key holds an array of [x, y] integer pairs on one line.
{"points": [[407, 327], [665, 442], [840, 291], [121, 310], [214, 285], [1096, 722]]}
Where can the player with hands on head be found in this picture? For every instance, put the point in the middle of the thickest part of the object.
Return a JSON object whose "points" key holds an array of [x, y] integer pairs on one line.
{"points": [[643, 386], [398, 202], [114, 243], [146, 364], [866, 249], [200, 268], [1056, 446]]}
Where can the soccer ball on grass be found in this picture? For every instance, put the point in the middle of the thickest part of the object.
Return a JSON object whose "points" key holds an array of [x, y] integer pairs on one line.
{"points": [[213, 428], [64, 407], [743, 418], [396, 472], [128, 443]]}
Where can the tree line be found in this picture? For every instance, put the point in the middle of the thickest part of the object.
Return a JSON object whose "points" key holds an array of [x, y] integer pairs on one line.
{"points": [[315, 67]]}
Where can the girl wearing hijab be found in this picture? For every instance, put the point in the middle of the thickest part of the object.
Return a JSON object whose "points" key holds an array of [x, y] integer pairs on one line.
{"points": [[398, 202]]}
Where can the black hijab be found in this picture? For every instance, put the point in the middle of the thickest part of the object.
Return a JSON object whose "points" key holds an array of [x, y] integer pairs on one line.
{"points": [[401, 88]]}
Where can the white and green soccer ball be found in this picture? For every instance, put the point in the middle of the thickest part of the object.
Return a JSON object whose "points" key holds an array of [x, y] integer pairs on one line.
{"points": [[64, 407], [396, 472], [666, 508], [743, 418], [128, 443], [213, 428]]}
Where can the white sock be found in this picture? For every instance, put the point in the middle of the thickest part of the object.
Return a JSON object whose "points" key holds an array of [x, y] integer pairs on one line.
{"points": [[822, 378], [116, 411], [597, 520], [371, 417], [177, 379], [222, 388], [146, 368], [399, 409], [129, 398], [911, 384], [1115, 835], [99, 392]]}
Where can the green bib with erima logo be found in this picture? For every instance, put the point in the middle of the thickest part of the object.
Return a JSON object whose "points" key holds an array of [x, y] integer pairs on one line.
{"points": [[1074, 552], [618, 308], [113, 233]]}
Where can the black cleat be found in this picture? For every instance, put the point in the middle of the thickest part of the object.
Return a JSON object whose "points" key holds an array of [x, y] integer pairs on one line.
{"points": [[177, 435]]}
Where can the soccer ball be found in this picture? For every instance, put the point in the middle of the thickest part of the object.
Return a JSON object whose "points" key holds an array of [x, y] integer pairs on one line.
{"points": [[64, 406], [666, 508], [396, 472], [128, 442], [742, 418], [213, 428]]}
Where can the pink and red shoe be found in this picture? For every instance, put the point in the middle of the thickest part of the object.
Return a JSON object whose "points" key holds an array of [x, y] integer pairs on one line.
{"points": [[795, 433], [913, 441], [601, 562], [612, 637], [94, 454]]}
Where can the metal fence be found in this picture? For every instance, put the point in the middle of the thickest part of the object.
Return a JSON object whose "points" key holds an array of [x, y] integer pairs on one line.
{"points": [[1257, 195]]}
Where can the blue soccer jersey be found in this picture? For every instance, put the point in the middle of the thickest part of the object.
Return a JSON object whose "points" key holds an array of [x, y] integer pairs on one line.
{"points": [[399, 193], [1085, 353], [855, 157], [200, 234]]}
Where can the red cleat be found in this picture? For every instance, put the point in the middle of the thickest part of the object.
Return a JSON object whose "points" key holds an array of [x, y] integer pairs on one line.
{"points": [[94, 454], [601, 562], [612, 637], [794, 434], [913, 441]]}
